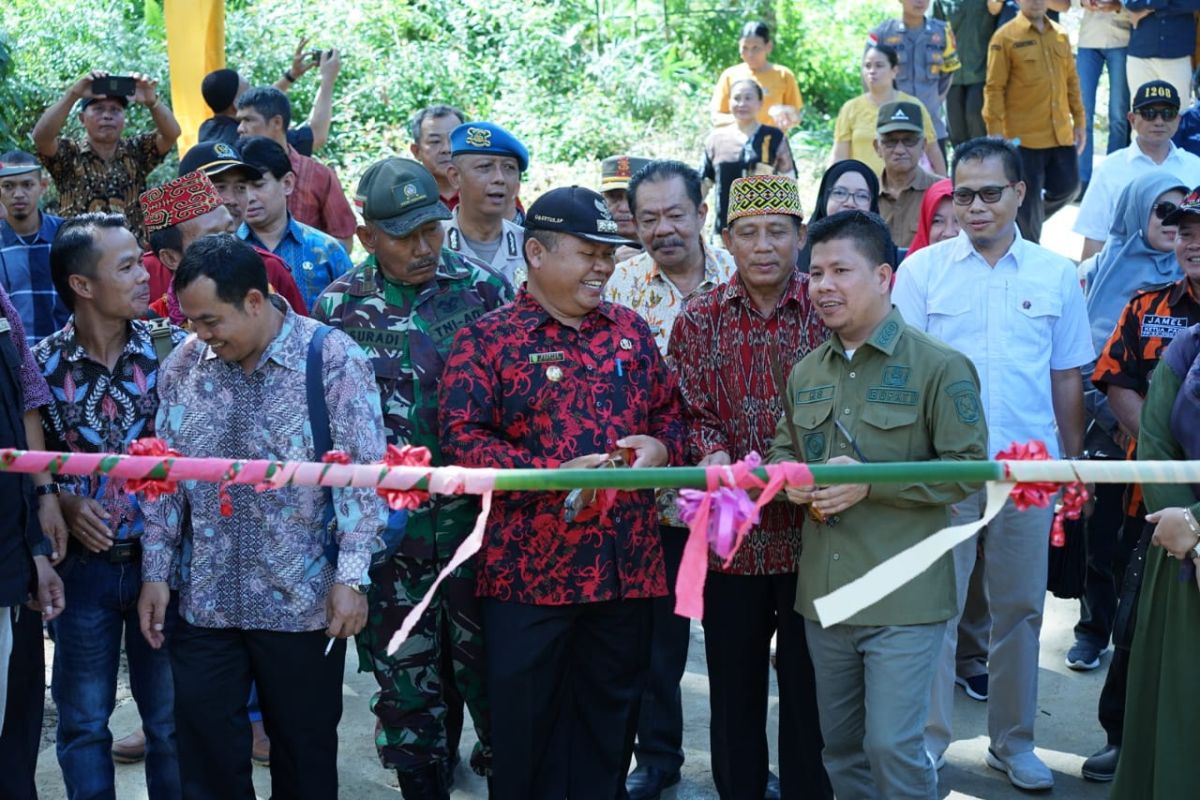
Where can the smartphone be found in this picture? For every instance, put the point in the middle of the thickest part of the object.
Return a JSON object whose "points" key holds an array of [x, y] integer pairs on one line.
{"points": [[314, 56], [114, 86]]}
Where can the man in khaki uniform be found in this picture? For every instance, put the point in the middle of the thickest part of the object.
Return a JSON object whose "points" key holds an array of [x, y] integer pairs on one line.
{"points": [[1032, 96], [899, 141], [883, 391]]}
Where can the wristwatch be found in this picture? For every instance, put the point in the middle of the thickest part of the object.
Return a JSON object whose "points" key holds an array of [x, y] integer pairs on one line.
{"points": [[358, 588], [46, 488]]}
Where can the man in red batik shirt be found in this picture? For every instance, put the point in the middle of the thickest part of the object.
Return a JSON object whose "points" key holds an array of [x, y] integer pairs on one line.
{"points": [[560, 378], [731, 348]]}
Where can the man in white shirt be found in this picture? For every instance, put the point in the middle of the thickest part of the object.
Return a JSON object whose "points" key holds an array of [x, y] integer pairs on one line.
{"points": [[1155, 118], [1017, 311]]}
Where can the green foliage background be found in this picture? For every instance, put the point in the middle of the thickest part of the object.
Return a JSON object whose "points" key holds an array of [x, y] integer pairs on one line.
{"points": [[576, 79]]}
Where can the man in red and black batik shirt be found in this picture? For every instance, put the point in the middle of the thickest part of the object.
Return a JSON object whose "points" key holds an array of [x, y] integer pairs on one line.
{"points": [[560, 378], [1151, 320], [730, 347]]}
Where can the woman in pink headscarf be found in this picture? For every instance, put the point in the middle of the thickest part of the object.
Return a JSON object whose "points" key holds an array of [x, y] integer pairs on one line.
{"points": [[937, 222]]}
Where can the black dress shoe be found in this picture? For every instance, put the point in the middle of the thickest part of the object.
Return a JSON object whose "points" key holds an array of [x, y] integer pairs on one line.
{"points": [[1101, 766], [427, 782], [773, 792], [647, 783]]}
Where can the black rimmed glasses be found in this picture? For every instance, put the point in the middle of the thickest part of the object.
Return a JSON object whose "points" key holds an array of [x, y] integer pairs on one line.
{"points": [[861, 199], [988, 194]]}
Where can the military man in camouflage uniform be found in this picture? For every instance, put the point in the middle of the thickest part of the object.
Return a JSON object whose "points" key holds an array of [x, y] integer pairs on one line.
{"points": [[403, 306]]}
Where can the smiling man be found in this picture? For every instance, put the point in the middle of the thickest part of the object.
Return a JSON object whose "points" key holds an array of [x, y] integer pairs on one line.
{"points": [[730, 348], [561, 378], [1154, 119], [403, 306], [104, 171], [883, 391], [486, 165], [1017, 311]]}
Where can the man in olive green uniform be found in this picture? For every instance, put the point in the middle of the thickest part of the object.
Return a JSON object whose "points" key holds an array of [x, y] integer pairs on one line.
{"points": [[403, 306], [877, 390]]}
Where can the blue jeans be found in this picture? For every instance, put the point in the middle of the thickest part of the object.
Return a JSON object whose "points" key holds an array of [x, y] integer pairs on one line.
{"points": [[101, 607], [1089, 63]]}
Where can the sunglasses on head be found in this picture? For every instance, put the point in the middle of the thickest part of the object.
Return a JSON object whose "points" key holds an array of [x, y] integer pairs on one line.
{"points": [[1151, 114]]}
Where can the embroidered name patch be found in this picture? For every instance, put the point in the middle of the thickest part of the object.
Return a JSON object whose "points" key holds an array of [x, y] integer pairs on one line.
{"points": [[1154, 326], [546, 358], [813, 394], [891, 396]]}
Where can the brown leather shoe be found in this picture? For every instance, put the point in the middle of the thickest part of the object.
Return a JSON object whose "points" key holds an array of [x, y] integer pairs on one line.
{"points": [[130, 749], [260, 753]]}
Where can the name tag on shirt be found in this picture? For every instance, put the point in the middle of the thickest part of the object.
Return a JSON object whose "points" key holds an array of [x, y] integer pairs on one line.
{"points": [[546, 358], [1154, 326]]}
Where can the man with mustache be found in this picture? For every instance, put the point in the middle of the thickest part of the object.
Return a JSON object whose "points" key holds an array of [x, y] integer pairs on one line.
{"points": [[104, 171], [403, 306], [731, 347], [25, 239], [676, 265], [561, 378]]}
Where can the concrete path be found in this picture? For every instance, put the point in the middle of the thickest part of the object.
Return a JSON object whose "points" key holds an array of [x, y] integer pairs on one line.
{"points": [[1067, 731]]}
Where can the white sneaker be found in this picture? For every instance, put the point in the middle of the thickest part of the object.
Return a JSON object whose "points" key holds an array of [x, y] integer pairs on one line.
{"points": [[1024, 770]]}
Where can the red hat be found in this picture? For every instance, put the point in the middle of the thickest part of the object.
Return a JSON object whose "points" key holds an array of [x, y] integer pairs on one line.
{"points": [[186, 197]]}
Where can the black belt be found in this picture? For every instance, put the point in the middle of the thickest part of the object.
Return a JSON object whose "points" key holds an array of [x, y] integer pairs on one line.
{"points": [[124, 551]]}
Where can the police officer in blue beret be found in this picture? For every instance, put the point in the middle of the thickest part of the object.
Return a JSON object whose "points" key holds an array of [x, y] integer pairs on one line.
{"points": [[486, 163]]}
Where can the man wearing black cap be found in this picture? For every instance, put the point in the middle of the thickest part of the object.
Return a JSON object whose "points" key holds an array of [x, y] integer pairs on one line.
{"points": [[224, 167], [103, 171], [403, 306], [561, 378], [899, 141], [25, 239], [1154, 119]]}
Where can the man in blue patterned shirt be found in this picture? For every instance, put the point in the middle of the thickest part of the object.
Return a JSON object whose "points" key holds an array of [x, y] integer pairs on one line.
{"points": [[315, 258], [25, 238], [102, 369], [259, 598]]}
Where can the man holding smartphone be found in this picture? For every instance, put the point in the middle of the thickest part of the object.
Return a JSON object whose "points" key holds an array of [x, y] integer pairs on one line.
{"points": [[104, 171]]}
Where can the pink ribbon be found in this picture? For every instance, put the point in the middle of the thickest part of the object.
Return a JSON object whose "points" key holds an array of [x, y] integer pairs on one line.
{"points": [[732, 521]]}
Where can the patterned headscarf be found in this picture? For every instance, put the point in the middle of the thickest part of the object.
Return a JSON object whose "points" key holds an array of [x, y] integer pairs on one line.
{"points": [[186, 197], [757, 195]]}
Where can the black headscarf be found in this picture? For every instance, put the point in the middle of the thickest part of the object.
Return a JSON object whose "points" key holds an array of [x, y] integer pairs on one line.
{"points": [[827, 182]]}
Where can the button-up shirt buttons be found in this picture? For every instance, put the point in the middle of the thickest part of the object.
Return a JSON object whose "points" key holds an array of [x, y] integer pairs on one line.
{"points": [[836, 556], [846, 411], [842, 445], [853, 375]]}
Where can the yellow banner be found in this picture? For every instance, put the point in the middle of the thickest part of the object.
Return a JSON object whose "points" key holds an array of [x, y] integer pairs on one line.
{"points": [[195, 47]]}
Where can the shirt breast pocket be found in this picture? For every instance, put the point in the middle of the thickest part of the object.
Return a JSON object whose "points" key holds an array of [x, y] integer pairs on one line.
{"points": [[811, 421], [950, 317], [1030, 326], [886, 431]]}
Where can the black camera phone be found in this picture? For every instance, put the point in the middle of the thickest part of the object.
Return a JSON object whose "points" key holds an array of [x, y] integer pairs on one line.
{"points": [[114, 86]]}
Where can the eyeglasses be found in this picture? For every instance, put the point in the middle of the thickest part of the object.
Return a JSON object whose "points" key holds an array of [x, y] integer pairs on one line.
{"points": [[860, 198], [1151, 114], [988, 194], [1164, 209], [907, 141]]}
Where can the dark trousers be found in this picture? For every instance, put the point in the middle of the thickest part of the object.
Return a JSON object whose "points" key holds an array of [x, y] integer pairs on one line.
{"points": [[1129, 561], [1051, 177], [964, 112], [564, 684], [1098, 605], [22, 734], [741, 612], [299, 688], [660, 720]]}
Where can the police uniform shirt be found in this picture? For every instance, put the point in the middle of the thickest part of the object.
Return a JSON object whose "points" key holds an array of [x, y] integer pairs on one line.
{"points": [[509, 259]]}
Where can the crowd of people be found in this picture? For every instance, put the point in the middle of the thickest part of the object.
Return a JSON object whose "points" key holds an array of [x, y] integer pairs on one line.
{"points": [[912, 315]]}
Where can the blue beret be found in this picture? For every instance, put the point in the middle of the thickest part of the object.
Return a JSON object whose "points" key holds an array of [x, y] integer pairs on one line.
{"points": [[488, 138]]}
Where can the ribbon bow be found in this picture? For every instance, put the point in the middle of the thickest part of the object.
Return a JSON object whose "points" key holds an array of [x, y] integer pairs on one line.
{"points": [[1039, 494], [406, 456], [152, 488]]}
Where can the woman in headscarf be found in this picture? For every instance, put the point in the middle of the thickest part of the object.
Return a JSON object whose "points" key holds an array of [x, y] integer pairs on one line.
{"points": [[1139, 251], [846, 186], [937, 222]]}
